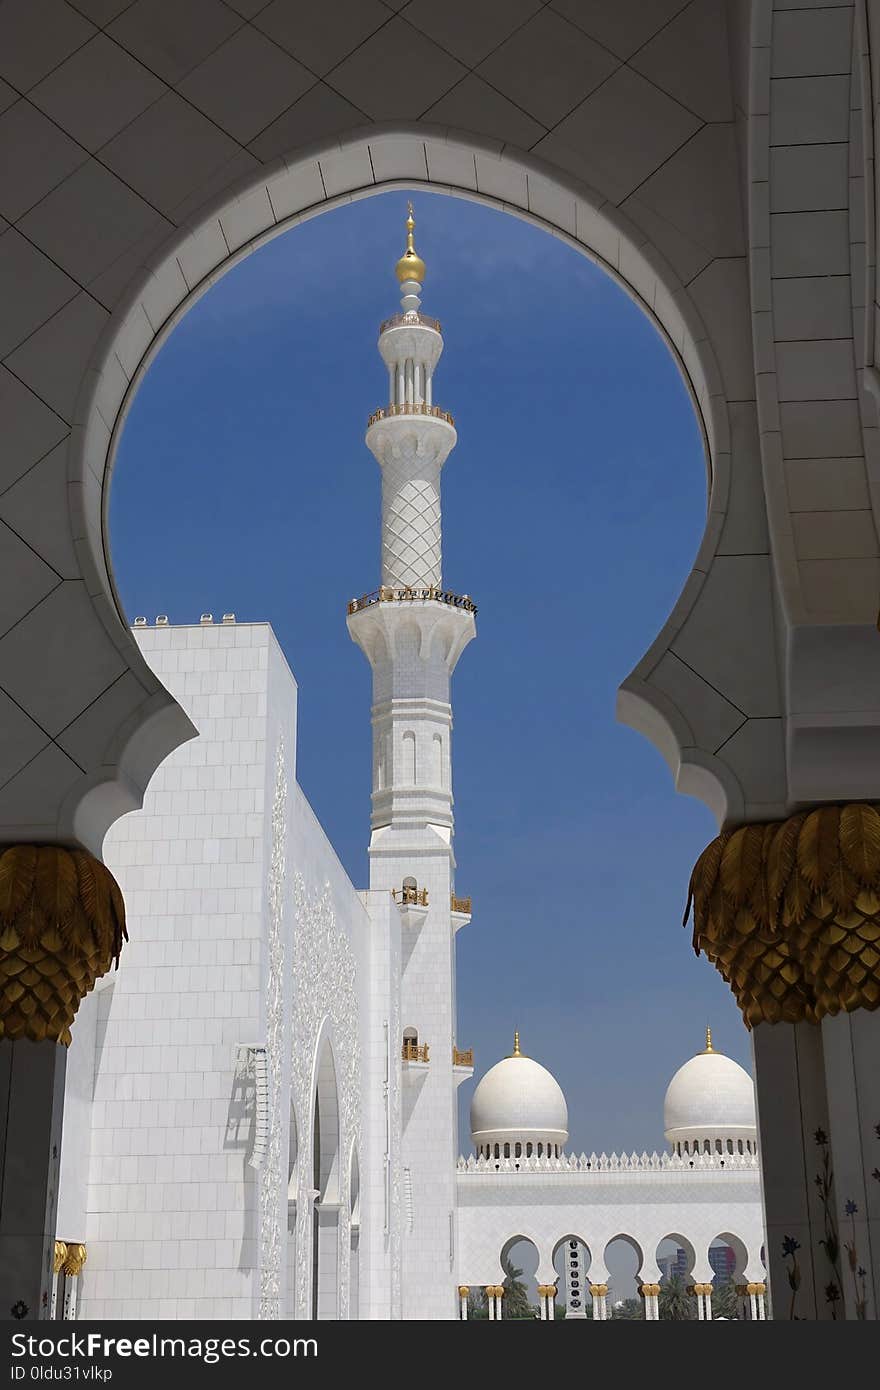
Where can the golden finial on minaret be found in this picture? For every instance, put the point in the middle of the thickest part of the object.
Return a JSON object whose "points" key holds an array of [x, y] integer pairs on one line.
{"points": [[708, 1047], [516, 1052], [410, 266]]}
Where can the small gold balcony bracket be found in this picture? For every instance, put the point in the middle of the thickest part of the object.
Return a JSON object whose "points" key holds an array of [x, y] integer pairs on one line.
{"points": [[460, 904], [462, 1056], [410, 896], [415, 1052]]}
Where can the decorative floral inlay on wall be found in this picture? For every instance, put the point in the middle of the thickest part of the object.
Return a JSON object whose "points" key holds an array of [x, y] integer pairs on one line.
{"points": [[323, 974], [830, 1242], [271, 1177]]}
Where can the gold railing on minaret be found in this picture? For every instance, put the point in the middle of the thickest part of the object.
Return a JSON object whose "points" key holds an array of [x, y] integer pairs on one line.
{"points": [[387, 594], [410, 896], [459, 904], [462, 1056], [415, 1052], [410, 408], [412, 316]]}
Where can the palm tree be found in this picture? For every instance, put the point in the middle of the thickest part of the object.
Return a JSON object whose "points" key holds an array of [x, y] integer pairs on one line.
{"points": [[725, 1303], [675, 1303], [516, 1298]]}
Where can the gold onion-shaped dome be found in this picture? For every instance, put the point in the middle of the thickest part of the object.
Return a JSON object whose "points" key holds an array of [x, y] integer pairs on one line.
{"points": [[410, 266]]}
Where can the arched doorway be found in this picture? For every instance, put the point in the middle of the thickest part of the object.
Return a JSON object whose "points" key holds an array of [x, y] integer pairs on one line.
{"points": [[624, 1258], [677, 1261], [326, 1188], [292, 1184], [219, 239], [520, 1261], [354, 1237]]}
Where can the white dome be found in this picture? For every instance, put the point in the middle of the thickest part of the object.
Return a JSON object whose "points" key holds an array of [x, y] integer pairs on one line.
{"points": [[518, 1101], [710, 1097]]}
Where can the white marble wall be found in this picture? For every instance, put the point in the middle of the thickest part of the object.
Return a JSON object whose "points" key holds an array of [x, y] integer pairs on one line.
{"points": [[693, 1206], [227, 877]]}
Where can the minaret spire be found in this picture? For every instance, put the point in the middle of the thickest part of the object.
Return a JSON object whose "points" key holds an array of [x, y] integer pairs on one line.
{"points": [[412, 630]]}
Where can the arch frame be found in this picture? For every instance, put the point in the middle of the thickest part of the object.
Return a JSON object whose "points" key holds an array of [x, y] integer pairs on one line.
{"points": [[281, 195]]}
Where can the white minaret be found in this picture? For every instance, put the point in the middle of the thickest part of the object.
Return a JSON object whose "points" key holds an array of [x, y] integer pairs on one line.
{"points": [[412, 631]]}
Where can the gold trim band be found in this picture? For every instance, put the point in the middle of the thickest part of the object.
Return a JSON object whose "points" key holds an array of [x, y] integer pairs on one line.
{"points": [[62, 925], [76, 1258], [789, 913]]}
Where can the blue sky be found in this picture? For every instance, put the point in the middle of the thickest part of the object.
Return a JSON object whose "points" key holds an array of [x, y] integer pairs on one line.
{"points": [[573, 506]]}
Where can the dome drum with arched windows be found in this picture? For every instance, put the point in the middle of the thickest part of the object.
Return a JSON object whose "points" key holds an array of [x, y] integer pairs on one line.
{"points": [[518, 1110], [710, 1106]]}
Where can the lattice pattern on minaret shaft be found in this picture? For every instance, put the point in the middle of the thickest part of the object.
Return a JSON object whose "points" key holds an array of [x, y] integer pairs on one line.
{"points": [[411, 545]]}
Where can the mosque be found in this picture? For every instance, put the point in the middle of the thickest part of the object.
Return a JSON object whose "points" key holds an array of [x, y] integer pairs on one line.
{"points": [[260, 1114]]}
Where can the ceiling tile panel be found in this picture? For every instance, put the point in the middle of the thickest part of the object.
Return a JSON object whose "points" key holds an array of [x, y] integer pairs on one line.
{"points": [[64, 224], [320, 114], [320, 36], [470, 29], [396, 73], [689, 63], [37, 35], [172, 38], [474, 106], [65, 633], [624, 25], [97, 92], [246, 84], [620, 135], [20, 738], [192, 148], [25, 579], [37, 508], [547, 67], [34, 156], [32, 289], [30, 429], [52, 361]]}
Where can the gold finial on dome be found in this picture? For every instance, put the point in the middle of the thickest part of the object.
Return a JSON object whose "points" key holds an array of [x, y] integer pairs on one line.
{"points": [[516, 1052], [410, 266], [708, 1047]]}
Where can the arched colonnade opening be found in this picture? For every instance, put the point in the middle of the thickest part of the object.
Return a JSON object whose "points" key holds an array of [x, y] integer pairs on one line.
{"points": [[667, 1279]]}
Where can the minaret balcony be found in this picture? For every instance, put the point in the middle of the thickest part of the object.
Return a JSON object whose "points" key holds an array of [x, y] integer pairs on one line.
{"points": [[410, 896], [413, 317], [462, 1064], [413, 904], [415, 1053], [385, 594], [389, 412], [460, 911]]}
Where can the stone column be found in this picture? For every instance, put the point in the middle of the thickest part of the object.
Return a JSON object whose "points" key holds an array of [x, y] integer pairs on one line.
{"points": [[651, 1294], [58, 1258], [703, 1294], [73, 1265], [790, 914], [62, 924], [599, 1294], [463, 1291], [547, 1301]]}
